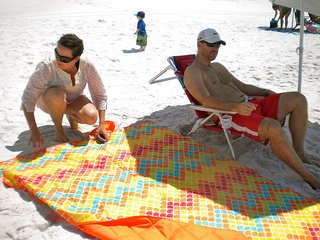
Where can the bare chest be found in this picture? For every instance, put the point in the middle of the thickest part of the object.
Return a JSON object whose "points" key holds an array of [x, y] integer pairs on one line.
{"points": [[215, 78], [221, 85]]}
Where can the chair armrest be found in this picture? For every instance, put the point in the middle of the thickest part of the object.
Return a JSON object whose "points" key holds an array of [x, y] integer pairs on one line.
{"points": [[201, 108]]}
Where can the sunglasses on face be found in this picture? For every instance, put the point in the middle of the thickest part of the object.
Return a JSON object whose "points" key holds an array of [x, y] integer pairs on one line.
{"points": [[212, 45], [63, 59]]}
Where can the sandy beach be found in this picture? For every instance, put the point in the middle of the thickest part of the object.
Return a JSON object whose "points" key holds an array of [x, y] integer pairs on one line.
{"points": [[254, 54]]}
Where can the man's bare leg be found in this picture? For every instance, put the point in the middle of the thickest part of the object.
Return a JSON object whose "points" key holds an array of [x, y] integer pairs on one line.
{"points": [[73, 123], [53, 102], [282, 148], [296, 105], [286, 18], [82, 110], [281, 23]]}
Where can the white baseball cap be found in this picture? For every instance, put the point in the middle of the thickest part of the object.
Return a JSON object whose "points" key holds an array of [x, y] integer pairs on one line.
{"points": [[210, 35]]}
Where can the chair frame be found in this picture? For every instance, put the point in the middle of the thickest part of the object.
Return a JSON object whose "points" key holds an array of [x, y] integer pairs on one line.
{"points": [[201, 112]]}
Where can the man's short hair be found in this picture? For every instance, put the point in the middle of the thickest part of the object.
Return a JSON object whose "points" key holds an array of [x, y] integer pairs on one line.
{"points": [[72, 42]]}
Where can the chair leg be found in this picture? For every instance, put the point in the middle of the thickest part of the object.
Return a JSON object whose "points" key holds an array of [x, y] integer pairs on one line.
{"points": [[154, 79], [225, 126], [200, 122], [229, 143]]}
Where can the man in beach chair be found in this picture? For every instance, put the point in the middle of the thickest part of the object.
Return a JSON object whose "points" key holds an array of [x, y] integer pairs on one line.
{"points": [[213, 86], [207, 117]]}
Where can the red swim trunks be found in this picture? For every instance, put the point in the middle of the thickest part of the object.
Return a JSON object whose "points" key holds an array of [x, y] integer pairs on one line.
{"points": [[248, 125]]}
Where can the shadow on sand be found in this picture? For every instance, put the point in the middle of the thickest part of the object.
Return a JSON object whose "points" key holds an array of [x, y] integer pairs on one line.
{"points": [[187, 163], [171, 159], [132, 50], [48, 132], [287, 31]]}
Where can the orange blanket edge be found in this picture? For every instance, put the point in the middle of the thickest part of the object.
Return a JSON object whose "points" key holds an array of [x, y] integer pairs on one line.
{"points": [[145, 227]]}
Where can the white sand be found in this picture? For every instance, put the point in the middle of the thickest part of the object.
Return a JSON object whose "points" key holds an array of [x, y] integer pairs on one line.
{"points": [[30, 29]]}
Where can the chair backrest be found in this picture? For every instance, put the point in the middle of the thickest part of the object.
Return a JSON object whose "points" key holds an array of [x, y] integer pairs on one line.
{"points": [[314, 18], [180, 63]]}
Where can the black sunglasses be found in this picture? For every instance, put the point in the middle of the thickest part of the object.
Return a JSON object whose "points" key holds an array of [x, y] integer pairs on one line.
{"points": [[63, 58], [213, 45]]}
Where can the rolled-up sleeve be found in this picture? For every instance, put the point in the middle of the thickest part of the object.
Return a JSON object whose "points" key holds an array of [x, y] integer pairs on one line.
{"points": [[96, 87], [37, 84]]}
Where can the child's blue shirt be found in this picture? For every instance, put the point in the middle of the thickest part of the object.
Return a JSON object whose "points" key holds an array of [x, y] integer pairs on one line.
{"points": [[142, 26]]}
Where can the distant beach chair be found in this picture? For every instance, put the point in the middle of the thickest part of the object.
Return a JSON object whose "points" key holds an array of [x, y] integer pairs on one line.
{"points": [[314, 18], [209, 121], [313, 24]]}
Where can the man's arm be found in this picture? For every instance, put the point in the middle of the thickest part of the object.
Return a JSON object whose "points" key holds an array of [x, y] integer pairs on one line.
{"points": [[194, 83], [137, 31], [101, 128], [247, 89], [37, 84], [36, 139], [252, 90]]}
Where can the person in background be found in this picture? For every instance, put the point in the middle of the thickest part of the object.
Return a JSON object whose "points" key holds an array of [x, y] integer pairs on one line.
{"points": [[56, 87], [284, 14], [141, 31], [275, 8], [274, 22], [261, 119]]}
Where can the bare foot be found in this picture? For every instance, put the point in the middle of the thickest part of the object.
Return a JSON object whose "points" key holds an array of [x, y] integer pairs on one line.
{"points": [[61, 137], [314, 160], [73, 123], [310, 159], [305, 159], [315, 185], [313, 181]]}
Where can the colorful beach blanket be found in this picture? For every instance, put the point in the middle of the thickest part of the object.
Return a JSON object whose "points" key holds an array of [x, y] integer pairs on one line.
{"points": [[150, 171]]}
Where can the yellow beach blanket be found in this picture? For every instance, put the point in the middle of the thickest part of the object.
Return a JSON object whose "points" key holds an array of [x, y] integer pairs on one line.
{"points": [[147, 171]]}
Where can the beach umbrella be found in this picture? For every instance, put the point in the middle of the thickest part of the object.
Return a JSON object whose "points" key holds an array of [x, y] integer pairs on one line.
{"points": [[310, 6]]}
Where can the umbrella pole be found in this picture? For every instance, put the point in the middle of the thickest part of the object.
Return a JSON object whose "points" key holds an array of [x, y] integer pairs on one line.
{"points": [[292, 19], [300, 52]]}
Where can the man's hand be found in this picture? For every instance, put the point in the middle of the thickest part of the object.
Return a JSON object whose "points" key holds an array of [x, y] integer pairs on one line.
{"points": [[36, 139], [246, 108], [268, 92], [105, 135]]}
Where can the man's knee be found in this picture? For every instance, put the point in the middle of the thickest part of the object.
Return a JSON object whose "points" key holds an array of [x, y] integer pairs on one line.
{"points": [[301, 99], [54, 94], [290, 101], [298, 100], [91, 116], [270, 128]]}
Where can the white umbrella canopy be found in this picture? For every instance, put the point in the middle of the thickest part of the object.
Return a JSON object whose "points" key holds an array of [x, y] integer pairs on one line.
{"points": [[310, 6]]}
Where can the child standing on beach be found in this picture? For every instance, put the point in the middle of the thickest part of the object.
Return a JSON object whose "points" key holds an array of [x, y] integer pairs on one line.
{"points": [[141, 31]]}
